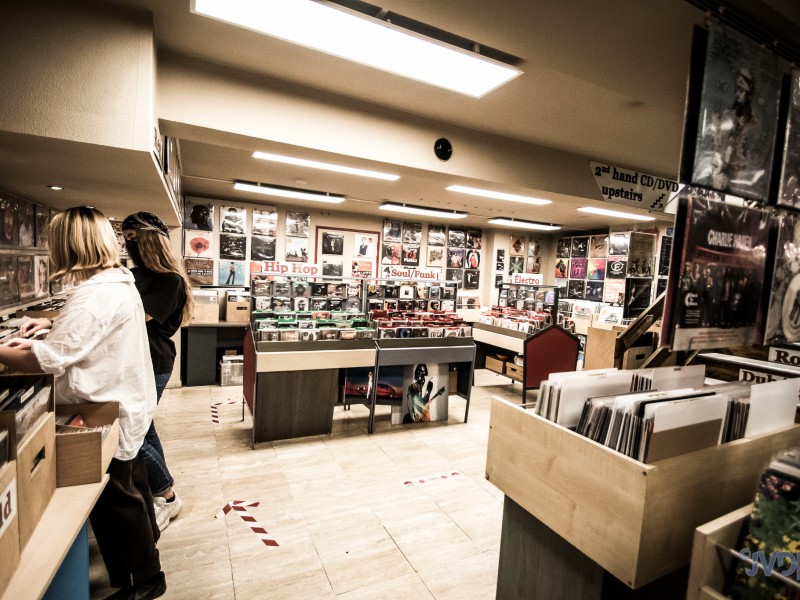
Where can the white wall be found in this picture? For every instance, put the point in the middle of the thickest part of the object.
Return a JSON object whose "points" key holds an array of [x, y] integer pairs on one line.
{"points": [[77, 73]]}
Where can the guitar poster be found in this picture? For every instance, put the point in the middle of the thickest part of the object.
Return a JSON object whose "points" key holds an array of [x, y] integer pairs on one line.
{"points": [[424, 393]]}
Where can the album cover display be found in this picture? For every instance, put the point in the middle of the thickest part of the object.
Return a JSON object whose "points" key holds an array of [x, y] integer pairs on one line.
{"points": [[435, 257], [332, 268], [25, 278], [25, 221], [199, 270], [411, 255], [736, 115], [42, 217], [297, 224], [198, 216], [578, 268], [596, 269], [198, 244], [534, 264], [579, 248], [471, 279], [561, 268], [391, 253], [332, 243], [262, 248], [9, 286], [598, 246], [232, 272], [783, 316], [436, 235], [789, 189], [41, 270], [265, 221], [474, 239], [641, 254], [412, 233], [594, 291], [637, 296], [392, 231], [232, 247], [297, 249], [517, 246], [456, 236], [516, 264], [614, 291], [563, 247], [576, 289], [455, 258], [714, 287], [233, 219], [618, 244]]}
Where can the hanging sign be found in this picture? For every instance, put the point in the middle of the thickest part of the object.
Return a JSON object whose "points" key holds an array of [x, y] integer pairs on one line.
{"points": [[279, 267], [391, 272], [632, 188], [529, 279]]}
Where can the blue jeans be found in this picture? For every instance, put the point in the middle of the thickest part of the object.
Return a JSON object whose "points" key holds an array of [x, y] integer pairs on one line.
{"points": [[158, 475]]}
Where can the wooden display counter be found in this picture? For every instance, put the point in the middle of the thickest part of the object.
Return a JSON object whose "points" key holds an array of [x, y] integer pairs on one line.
{"points": [[708, 569], [291, 387], [633, 520], [52, 539]]}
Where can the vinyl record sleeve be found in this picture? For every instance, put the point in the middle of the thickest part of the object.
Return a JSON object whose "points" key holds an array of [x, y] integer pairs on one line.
{"points": [[719, 269]]}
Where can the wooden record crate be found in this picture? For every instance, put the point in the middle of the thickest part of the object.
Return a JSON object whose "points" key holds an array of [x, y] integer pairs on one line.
{"points": [[635, 520]]}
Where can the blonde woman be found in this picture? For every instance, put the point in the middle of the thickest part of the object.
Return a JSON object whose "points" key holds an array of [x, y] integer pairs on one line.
{"points": [[167, 299], [97, 351]]}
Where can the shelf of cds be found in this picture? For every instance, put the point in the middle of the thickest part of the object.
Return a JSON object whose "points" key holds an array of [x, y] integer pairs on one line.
{"points": [[306, 332]]}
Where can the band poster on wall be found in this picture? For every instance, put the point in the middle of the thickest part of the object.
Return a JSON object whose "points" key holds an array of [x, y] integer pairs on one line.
{"points": [[347, 252], [731, 114]]}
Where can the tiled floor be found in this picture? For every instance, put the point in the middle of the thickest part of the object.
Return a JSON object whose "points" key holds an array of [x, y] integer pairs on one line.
{"points": [[347, 525]]}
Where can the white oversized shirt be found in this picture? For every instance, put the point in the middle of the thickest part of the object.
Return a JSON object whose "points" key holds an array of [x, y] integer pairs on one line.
{"points": [[98, 351]]}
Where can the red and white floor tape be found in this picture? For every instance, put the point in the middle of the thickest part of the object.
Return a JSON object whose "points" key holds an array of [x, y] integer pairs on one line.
{"points": [[240, 506], [215, 410], [431, 479]]}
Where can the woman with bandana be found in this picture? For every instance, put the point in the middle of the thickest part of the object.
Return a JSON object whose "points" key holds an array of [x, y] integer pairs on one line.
{"points": [[97, 351], [166, 296]]}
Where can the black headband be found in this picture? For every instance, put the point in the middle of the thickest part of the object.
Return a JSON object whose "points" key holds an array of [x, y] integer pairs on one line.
{"points": [[145, 220]]}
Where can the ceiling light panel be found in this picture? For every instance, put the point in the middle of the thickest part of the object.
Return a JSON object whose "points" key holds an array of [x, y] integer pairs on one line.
{"points": [[368, 41], [615, 213], [497, 195], [523, 224], [421, 210], [282, 192], [302, 162]]}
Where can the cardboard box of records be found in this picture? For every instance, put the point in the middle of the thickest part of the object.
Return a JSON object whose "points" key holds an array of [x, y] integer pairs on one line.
{"points": [[9, 522], [87, 436], [206, 306], [237, 307], [27, 415]]}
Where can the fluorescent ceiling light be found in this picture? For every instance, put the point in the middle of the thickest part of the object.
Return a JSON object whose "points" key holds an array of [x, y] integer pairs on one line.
{"points": [[301, 162], [55, 188], [284, 192], [615, 213], [497, 195], [368, 41], [420, 210], [523, 224]]}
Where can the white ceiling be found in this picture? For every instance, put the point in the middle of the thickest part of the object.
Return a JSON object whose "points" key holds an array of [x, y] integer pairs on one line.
{"points": [[603, 79]]}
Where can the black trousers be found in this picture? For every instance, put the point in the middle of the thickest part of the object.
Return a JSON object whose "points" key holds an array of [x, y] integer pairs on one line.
{"points": [[124, 524]]}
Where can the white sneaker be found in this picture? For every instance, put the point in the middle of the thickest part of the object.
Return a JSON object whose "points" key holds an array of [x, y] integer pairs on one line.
{"points": [[162, 513], [170, 509]]}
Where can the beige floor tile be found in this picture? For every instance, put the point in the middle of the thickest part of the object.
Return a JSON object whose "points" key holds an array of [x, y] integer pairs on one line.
{"points": [[407, 587], [347, 524], [206, 582]]}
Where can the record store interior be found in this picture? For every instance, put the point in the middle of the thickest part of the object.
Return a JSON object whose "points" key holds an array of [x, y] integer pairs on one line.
{"points": [[336, 300]]}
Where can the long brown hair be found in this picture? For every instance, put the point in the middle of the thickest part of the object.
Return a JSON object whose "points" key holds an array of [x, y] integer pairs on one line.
{"points": [[157, 255]]}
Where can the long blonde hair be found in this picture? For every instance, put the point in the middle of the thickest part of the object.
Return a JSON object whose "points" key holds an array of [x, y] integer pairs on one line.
{"points": [[82, 242], [157, 255]]}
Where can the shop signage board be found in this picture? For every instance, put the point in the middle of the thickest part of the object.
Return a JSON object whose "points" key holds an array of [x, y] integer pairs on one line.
{"points": [[528, 278], [279, 267], [633, 188]]}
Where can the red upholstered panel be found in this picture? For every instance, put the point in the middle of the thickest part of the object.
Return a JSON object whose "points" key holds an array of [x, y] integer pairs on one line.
{"points": [[552, 350]]}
